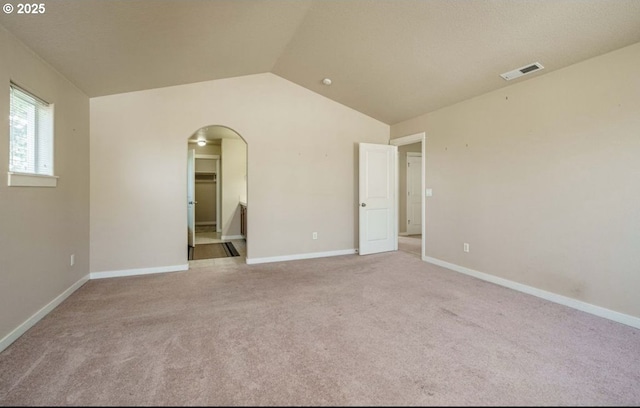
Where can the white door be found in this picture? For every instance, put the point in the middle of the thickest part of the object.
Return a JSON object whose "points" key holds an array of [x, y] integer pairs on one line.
{"points": [[191, 197], [378, 198], [414, 197]]}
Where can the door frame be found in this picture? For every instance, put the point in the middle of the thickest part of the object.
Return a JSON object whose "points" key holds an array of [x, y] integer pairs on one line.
{"points": [[215, 157], [191, 199], [410, 139]]}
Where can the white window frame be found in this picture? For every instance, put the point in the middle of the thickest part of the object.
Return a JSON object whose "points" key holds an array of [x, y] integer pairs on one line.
{"points": [[21, 179]]}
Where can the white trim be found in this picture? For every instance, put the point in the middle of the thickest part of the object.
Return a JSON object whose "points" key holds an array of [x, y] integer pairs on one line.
{"points": [[31, 180], [550, 296], [225, 237], [139, 271], [21, 329], [415, 138], [252, 261], [405, 140], [396, 206]]}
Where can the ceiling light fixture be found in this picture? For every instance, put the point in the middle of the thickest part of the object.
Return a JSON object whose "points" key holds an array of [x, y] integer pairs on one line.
{"points": [[326, 81], [202, 143]]}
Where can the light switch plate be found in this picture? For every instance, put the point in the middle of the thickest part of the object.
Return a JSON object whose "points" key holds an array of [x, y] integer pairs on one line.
{"points": [[428, 192]]}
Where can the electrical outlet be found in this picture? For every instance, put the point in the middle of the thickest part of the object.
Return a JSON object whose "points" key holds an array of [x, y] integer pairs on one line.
{"points": [[466, 247], [72, 261], [315, 235]]}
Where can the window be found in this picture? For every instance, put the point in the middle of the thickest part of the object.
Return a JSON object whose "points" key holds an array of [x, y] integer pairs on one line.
{"points": [[31, 140]]}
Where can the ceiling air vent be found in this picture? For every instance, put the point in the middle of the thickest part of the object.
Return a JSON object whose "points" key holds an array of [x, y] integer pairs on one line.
{"points": [[527, 69]]}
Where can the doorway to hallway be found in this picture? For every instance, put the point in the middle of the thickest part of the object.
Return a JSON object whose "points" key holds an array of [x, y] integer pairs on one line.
{"points": [[216, 189], [411, 196]]}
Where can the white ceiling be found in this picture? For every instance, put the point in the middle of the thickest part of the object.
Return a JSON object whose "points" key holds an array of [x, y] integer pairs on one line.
{"points": [[390, 59]]}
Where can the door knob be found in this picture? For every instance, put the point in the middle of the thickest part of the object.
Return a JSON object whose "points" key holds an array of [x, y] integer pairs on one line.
{"points": [[364, 204]]}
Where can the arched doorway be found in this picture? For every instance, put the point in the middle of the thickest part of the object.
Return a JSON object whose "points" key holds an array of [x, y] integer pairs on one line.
{"points": [[216, 194]]}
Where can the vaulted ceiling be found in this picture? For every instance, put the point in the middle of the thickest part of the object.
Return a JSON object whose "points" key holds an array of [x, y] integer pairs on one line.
{"points": [[389, 59]]}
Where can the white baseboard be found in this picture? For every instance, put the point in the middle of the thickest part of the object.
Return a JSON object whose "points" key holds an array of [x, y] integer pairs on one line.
{"points": [[403, 234], [550, 296], [227, 237], [139, 271], [252, 261], [20, 330]]}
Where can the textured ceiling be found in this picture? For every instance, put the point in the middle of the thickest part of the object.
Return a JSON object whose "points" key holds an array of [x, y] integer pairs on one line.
{"points": [[390, 59]]}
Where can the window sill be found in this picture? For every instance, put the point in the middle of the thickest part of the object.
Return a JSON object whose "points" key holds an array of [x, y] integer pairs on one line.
{"points": [[31, 180]]}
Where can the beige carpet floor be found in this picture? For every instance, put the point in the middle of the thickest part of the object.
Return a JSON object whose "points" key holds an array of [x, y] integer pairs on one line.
{"points": [[384, 329]]}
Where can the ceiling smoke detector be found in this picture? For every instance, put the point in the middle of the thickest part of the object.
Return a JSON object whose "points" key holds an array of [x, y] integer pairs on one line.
{"points": [[327, 81], [527, 69]]}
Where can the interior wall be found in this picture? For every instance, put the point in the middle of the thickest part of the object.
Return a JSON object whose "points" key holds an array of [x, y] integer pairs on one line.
{"points": [[302, 168], [234, 184], [542, 179], [402, 182], [40, 228]]}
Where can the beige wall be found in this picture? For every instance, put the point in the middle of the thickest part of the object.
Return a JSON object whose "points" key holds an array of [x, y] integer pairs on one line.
{"points": [[402, 182], [542, 179], [234, 184], [301, 168], [41, 227]]}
